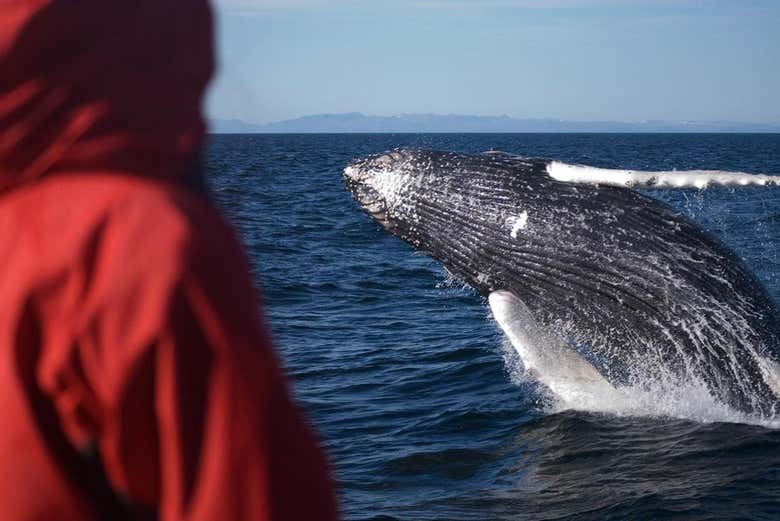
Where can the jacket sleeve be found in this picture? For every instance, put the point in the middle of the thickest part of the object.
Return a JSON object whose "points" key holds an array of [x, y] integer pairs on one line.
{"points": [[194, 418]]}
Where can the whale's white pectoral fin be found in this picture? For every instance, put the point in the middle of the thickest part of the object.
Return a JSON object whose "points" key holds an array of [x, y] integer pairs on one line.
{"points": [[770, 370], [545, 355], [663, 179]]}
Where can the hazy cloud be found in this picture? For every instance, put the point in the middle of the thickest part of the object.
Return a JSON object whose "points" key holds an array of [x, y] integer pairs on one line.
{"points": [[262, 5]]}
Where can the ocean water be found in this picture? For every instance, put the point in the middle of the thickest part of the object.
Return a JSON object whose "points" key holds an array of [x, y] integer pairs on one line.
{"points": [[416, 396]]}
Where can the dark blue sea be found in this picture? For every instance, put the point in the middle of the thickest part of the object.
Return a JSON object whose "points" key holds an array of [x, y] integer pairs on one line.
{"points": [[405, 375]]}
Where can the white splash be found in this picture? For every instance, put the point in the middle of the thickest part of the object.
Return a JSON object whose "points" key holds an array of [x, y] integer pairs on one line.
{"points": [[517, 223], [574, 384], [660, 179], [683, 400]]}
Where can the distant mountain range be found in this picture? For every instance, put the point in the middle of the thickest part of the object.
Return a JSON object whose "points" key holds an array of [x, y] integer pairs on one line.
{"points": [[355, 122]]}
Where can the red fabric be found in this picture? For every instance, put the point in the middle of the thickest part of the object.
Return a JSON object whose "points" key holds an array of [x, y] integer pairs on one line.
{"points": [[126, 304]]}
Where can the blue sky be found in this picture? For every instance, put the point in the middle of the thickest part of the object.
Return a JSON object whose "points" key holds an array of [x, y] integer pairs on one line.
{"points": [[625, 60]]}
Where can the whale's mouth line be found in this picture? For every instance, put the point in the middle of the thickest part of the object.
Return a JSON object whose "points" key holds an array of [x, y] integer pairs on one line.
{"points": [[376, 210]]}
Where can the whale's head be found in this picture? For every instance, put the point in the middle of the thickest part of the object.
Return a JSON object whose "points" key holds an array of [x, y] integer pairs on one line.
{"points": [[443, 203], [389, 187], [376, 184], [408, 191]]}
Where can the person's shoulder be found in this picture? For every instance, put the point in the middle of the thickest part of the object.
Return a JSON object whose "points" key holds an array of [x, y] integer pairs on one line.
{"points": [[166, 212], [174, 223], [144, 227]]}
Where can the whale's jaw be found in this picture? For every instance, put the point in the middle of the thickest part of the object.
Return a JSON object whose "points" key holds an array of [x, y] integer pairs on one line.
{"points": [[369, 199]]}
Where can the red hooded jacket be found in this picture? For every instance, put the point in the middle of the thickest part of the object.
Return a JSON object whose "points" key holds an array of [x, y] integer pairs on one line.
{"points": [[136, 379]]}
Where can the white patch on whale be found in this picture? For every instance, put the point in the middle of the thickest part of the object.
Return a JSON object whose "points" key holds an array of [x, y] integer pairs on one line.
{"points": [[351, 172], [517, 223], [660, 179]]}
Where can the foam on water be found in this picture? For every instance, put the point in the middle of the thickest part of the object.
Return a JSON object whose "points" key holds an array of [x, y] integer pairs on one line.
{"points": [[658, 179], [570, 382], [690, 401], [660, 397]]}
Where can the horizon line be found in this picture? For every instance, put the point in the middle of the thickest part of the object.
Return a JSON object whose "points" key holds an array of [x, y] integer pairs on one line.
{"points": [[501, 116], [584, 132]]}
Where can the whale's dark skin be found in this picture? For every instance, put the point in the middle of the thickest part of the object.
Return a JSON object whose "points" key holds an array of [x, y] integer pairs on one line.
{"points": [[616, 272]]}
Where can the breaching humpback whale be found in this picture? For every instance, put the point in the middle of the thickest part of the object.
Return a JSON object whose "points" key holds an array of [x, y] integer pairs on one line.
{"points": [[591, 282]]}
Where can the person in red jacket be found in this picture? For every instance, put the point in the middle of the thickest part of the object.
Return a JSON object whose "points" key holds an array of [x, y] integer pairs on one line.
{"points": [[136, 378]]}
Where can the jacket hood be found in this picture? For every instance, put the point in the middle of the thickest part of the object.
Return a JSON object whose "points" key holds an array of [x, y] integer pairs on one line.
{"points": [[96, 85]]}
